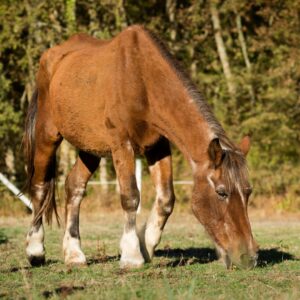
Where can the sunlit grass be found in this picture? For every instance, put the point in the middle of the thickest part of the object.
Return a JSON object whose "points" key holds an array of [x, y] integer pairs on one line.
{"points": [[185, 266]]}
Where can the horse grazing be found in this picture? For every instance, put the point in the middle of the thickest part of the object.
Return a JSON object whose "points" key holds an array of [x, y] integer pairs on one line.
{"points": [[123, 97]]}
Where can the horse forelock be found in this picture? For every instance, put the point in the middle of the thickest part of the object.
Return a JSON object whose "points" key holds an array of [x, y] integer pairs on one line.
{"points": [[235, 170]]}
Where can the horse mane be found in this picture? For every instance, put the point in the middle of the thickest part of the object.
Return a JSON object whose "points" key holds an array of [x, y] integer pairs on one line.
{"points": [[235, 171]]}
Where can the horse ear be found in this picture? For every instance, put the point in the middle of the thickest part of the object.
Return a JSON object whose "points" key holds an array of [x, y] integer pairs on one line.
{"points": [[245, 144], [215, 152]]}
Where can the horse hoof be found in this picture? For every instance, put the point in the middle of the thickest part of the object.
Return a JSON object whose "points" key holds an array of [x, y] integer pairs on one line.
{"points": [[76, 259], [131, 263], [36, 261], [75, 264]]}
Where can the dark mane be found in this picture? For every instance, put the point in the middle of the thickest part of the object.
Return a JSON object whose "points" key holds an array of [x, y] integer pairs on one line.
{"points": [[235, 169]]}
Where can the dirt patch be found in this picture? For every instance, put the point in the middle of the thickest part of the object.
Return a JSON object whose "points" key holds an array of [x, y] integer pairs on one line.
{"points": [[63, 291]]}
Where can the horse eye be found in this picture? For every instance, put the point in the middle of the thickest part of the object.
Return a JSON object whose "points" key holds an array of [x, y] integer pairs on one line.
{"points": [[222, 193]]}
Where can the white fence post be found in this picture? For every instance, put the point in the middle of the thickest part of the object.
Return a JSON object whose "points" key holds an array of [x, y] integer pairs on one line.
{"points": [[16, 191], [138, 176]]}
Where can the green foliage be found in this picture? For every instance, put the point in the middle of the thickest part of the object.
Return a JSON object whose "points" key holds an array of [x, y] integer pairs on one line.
{"points": [[267, 104]]}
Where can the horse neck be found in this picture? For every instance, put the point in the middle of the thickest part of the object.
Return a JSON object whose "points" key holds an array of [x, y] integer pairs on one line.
{"points": [[174, 111], [177, 116]]}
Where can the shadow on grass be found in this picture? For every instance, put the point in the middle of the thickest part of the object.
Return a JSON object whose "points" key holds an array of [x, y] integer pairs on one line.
{"points": [[102, 259], [62, 291], [273, 256], [48, 263], [3, 238], [190, 256]]}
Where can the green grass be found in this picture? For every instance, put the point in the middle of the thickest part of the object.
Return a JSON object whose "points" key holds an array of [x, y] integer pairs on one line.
{"points": [[184, 267]]}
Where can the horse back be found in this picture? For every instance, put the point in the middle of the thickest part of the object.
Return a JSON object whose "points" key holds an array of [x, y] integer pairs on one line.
{"points": [[86, 79]]}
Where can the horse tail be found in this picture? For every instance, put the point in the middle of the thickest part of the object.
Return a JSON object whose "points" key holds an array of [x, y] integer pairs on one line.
{"points": [[49, 203]]}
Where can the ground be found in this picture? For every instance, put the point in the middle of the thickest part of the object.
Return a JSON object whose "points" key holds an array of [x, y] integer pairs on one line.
{"points": [[184, 267]]}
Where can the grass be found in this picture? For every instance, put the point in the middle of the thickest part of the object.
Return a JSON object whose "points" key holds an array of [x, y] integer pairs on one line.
{"points": [[185, 266]]}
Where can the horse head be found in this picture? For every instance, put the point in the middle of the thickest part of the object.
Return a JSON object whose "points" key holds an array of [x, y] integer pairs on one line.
{"points": [[220, 200]]}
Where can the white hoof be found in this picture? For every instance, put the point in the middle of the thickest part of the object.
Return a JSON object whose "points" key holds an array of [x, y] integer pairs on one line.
{"points": [[131, 263], [74, 258], [72, 251], [149, 238]]}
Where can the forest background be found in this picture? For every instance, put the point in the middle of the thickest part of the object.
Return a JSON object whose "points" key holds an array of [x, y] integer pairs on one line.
{"points": [[243, 56]]}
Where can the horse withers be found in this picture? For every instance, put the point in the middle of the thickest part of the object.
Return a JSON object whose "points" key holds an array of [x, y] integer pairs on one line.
{"points": [[123, 97]]}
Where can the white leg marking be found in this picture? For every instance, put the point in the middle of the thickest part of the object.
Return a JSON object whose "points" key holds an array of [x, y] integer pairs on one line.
{"points": [[130, 248], [72, 251], [71, 245], [39, 189], [35, 243], [152, 236], [153, 230]]}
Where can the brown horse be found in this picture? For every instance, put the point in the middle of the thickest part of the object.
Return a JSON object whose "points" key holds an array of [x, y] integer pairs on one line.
{"points": [[124, 97]]}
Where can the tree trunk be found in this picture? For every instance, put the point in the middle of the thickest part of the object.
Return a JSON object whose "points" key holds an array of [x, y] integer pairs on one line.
{"points": [[71, 16], [10, 163], [29, 45], [103, 174], [221, 49], [242, 41], [120, 15], [193, 67], [67, 153], [171, 12], [245, 53], [67, 157]]}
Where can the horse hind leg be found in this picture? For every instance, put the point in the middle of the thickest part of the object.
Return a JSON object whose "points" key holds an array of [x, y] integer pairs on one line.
{"points": [[42, 191], [75, 185], [160, 165]]}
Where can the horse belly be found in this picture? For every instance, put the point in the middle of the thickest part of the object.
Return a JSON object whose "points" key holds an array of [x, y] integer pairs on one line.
{"points": [[78, 101]]}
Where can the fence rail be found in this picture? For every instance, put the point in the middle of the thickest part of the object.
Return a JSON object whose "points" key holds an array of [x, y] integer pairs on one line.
{"points": [[138, 174]]}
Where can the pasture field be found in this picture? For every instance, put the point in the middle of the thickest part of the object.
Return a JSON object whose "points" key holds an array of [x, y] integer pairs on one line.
{"points": [[185, 266]]}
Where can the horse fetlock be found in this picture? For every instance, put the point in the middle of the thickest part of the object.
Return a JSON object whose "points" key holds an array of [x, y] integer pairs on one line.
{"points": [[131, 256], [72, 252], [131, 262], [152, 238], [35, 250]]}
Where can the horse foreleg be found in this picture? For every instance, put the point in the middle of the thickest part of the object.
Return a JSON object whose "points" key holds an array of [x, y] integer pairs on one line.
{"points": [[160, 165], [85, 166], [124, 164]]}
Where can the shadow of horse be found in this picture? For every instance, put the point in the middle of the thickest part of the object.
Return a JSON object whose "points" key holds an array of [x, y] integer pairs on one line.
{"points": [[3, 237], [102, 259], [183, 257], [190, 256], [15, 269], [273, 256]]}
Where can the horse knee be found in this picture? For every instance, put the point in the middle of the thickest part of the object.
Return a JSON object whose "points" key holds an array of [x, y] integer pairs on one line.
{"points": [[130, 202], [166, 204]]}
